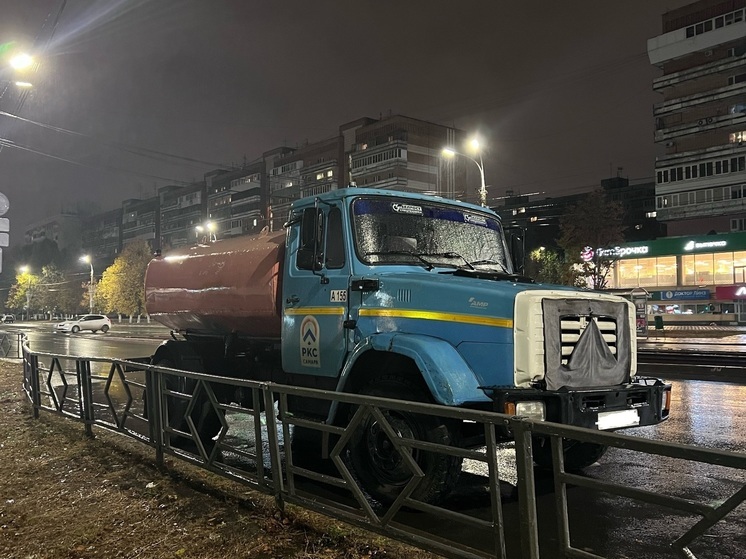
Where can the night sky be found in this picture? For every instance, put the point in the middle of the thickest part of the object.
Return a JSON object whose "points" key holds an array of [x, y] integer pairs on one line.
{"points": [[133, 95]]}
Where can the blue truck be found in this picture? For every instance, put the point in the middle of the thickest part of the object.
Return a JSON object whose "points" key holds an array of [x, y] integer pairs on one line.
{"points": [[410, 297]]}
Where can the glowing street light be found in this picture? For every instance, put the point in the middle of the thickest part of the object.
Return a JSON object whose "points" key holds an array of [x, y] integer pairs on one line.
{"points": [[87, 259], [207, 230], [474, 144], [21, 61]]}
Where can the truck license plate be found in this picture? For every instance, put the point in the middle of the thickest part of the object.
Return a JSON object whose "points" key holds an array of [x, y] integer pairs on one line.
{"points": [[617, 419]]}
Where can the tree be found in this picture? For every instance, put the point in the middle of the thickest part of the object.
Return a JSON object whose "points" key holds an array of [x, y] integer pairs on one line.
{"points": [[546, 266], [593, 223], [122, 286], [22, 294], [49, 285]]}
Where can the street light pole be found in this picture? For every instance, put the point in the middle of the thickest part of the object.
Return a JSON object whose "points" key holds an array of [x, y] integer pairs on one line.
{"points": [[87, 260], [449, 152]]}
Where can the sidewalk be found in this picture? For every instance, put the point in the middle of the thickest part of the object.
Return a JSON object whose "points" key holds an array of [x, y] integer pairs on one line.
{"points": [[694, 331]]}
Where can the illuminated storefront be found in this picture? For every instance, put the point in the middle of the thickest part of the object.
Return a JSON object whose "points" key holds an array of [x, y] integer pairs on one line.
{"points": [[698, 279]]}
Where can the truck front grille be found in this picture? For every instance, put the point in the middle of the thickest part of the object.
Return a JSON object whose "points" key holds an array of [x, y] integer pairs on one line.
{"points": [[573, 326]]}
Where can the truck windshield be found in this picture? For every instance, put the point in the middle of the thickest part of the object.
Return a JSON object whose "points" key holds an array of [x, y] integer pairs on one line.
{"points": [[397, 231]]}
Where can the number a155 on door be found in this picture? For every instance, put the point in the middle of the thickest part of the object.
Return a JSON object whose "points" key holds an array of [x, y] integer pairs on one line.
{"points": [[338, 296]]}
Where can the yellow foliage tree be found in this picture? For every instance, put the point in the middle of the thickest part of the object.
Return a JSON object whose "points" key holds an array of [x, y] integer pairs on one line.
{"points": [[122, 286]]}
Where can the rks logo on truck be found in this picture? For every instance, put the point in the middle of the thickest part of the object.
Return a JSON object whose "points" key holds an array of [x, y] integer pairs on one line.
{"points": [[309, 342]]}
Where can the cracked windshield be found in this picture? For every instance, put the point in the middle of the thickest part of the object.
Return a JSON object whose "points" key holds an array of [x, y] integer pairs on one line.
{"points": [[399, 231]]}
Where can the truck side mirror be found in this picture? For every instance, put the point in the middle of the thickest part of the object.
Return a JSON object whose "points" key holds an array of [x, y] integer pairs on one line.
{"points": [[311, 248], [516, 244]]}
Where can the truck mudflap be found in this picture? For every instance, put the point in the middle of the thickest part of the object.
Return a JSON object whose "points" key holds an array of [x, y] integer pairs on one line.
{"points": [[644, 401]]}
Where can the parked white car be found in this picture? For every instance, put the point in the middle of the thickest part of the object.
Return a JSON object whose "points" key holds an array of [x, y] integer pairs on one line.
{"points": [[92, 322]]}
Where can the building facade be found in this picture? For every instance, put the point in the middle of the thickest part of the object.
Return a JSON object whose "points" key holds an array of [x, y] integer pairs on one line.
{"points": [[701, 122], [540, 218], [63, 228], [181, 209]]}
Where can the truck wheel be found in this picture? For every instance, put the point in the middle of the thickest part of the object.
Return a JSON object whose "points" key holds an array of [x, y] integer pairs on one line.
{"points": [[377, 464], [578, 455], [204, 417], [305, 446]]}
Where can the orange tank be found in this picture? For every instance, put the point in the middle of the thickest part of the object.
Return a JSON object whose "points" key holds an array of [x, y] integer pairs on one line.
{"points": [[232, 285]]}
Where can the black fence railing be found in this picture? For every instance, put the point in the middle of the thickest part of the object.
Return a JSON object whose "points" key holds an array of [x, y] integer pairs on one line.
{"points": [[261, 444]]}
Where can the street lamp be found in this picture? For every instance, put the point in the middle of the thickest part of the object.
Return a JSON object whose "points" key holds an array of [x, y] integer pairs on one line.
{"points": [[27, 271], [87, 259], [21, 61], [450, 152], [208, 230]]}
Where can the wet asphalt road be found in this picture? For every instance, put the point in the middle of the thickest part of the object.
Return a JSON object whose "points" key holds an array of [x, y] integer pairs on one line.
{"points": [[704, 413]]}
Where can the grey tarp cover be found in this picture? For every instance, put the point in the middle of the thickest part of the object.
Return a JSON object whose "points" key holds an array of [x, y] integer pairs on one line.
{"points": [[591, 362]]}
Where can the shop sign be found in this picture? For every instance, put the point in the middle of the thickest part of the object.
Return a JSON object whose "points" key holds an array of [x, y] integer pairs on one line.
{"points": [[681, 294], [622, 252], [692, 245], [730, 292]]}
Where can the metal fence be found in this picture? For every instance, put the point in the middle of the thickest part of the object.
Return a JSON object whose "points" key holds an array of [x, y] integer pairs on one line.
{"points": [[255, 448], [11, 344]]}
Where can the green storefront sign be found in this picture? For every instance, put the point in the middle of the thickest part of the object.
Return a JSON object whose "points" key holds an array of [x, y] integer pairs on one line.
{"points": [[675, 246]]}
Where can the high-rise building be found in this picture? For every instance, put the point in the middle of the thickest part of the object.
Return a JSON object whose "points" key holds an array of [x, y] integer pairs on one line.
{"points": [[701, 122]]}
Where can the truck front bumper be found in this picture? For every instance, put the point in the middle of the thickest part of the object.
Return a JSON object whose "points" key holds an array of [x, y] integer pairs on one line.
{"points": [[644, 401]]}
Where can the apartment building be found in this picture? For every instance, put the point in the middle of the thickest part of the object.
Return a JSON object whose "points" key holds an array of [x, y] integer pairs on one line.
{"points": [[141, 220], [394, 152], [63, 229], [403, 153], [700, 123], [540, 217], [295, 173], [102, 236], [181, 209], [235, 201]]}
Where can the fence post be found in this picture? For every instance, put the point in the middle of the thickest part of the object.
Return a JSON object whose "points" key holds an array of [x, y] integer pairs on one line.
{"points": [[33, 364], [524, 459], [85, 388], [154, 409], [274, 447]]}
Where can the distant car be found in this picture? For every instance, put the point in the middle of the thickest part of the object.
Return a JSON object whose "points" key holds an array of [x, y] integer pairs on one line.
{"points": [[8, 318], [92, 322]]}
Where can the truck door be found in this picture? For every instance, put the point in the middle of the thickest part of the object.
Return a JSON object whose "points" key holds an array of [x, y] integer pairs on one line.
{"points": [[315, 294]]}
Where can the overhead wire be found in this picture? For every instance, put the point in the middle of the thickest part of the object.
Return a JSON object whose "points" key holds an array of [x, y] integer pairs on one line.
{"points": [[13, 145]]}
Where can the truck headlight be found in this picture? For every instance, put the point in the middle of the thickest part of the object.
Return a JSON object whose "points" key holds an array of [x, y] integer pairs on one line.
{"points": [[531, 409]]}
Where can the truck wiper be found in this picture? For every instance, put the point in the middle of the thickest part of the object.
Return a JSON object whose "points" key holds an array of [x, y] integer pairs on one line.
{"points": [[449, 254], [489, 261], [425, 264]]}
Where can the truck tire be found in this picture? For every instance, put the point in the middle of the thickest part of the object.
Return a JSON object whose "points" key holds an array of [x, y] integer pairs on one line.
{"points": [[204, 417], [381, 470], [578, 455], [305, 446]]}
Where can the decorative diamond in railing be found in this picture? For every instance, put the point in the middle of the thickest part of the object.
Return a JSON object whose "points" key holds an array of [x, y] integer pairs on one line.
{"points": [[58, 399], [358, 421], [208, 411], [119, 419]]}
